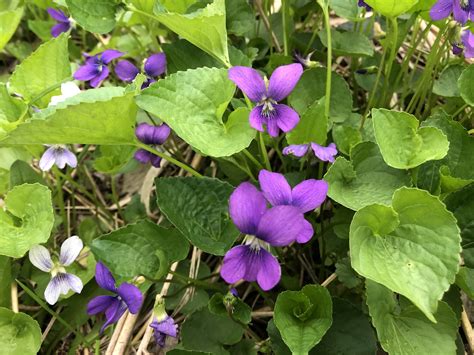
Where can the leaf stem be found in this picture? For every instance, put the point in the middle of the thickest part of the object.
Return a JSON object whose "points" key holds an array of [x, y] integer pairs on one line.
{"points": [[327, 24], [169, 158], [284, 7]]}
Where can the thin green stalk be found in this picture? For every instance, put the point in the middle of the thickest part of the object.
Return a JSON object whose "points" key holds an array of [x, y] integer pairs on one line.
{"points": [[374, 89], [284, 7], [48, 90], [60, 195], [393, 52], [169, 158], [252, 158], [327, 24], [263, 150], [461, 109]]}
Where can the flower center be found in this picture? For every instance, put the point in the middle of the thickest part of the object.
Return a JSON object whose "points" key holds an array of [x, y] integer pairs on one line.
{"points": [[59, 147], [57, 269], [465, 5], [268, 110], [256, 244]]}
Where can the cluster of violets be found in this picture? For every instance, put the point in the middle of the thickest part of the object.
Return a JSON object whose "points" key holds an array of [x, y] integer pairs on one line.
{"points": [[120, 299], [462, 11]]}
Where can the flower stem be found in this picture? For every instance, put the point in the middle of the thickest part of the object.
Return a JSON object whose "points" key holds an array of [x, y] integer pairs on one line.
{"points": [[263, 149], [169, 158], [284, 7], [327, 24]]}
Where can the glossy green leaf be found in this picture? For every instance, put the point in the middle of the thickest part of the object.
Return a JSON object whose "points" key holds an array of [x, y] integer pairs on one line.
{"points": [[312, 87], [402, 143], [94, 15], [140, 249], [348, 43], [205, 28], [99, 116], [9, 21], [204, 331], [198, 207], [27, 220], [190, 103], [391, 8], [466, 85], [303, 317], [447, 83], [46, 67], [312, 127], [182, 55], [399, 247], [403, 330], [365, 179], [19, 333]]}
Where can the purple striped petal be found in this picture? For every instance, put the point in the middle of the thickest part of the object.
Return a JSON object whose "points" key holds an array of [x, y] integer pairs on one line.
{"points": [[104, 277], [256, 119], [249, 81], [59, 28], [281, 225], [306, 233], [269, 271], [460, 15], [275, 188], [109, 55], [150, 134], [52, 291], [96, 81], [58, 15], [298, 150], [166, 326], [41, 258], [468, 41], [74, 283], [246, 207], [234, 267], [283, 81], [132, 296], [441, 10], [87, 71], [155, 65], [113, 313], [285, 117], [65, 156], [48, 159], [309, 194], [61, 284], [99, 304], [70, 250], [272, 127], [126, 71], [143, 156], [325, 153]]}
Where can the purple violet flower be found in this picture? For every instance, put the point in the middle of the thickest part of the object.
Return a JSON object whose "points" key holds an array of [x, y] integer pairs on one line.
{"points": [[457, 49], [163, 328], [305, 61], [267, 111], [95, 69], [468, 41], [306, 196], [362, 3], [57, 154], [322, 153], [278, 226], [462, 10], [61, 281], [64, 23], [154, 66], [154, 136], [127, 296]]}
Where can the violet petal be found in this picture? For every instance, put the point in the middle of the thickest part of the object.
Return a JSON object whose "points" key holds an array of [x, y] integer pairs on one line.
{"points": [[441, 10], [309, 194], [109, 55], [41, 258], [126, 71], [113, 313], [143, 156], [306, 232], [325, 153], [256, 119], [246, 206], [99, 304], [59, 28], [155, 65], [132, 296], [459, 14], [283, 80], [298, 150], [58, 15], [234, 267], [272, 127], [70, 250], [285, 117], [275, 188], [269, 270], [87, 72], [104, 277], [249, 81], [48, 159], [96, 81]]}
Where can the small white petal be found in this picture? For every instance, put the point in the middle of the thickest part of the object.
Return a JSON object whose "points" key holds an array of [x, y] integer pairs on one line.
{"points": [[70, 249], [74, 282], [51, 294], [40, 257], [48, 159]]}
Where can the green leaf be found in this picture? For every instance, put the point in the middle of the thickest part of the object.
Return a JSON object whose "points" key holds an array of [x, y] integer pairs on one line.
{"points": [[94, 15], [98, 116], [346, 9], [22, 173], [466, 86], [312, 127], [28, 219], [348, 43], [399, 247], [11, 109], [192, 106], [19, 333], [5, 281], [465, 280], [346, 274], [205, 28], [312, 87], [9, 21], [391, 8], [350, 333], [140, 249], [402, 143], [240, 17], [303, 317], [204, 331], [365, 179], [113, 158], [228, 304], [45, 68], [182, 55], [447, 83], [198, 207], [403, 330]]}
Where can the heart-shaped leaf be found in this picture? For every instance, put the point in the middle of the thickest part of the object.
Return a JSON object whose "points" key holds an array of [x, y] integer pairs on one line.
{"points": [[412, 247], [402, 143], [20, 333], [28, 219], [403, 329], [94, 16], [192, 103], [391, 8], [365, 179]]}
